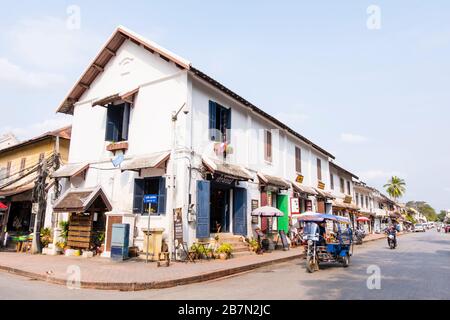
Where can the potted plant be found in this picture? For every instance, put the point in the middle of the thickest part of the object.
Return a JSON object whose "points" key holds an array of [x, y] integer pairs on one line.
{"points": [[253, 245], [46, 237], [224, 251]]}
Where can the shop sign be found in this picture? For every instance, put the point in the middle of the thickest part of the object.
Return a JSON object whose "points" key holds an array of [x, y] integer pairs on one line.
{"points": [[35, 208], [178, 225], [223, 179], [348, 199], [321, 185], [295, 205], [299, 179], [255, 205], [269, 198]]}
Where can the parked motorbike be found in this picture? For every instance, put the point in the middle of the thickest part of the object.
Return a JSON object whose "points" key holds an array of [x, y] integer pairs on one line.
{"points": [[359, 235]]}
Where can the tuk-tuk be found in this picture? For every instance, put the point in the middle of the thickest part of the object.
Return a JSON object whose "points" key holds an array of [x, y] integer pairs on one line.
{"points": [[335, 246]]}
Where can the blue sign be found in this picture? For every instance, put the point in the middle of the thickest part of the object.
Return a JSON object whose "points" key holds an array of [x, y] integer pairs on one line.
{"points": [[151, 198]]}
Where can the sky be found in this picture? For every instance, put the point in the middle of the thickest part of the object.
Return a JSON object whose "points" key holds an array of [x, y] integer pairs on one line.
{"points": [[366, 80]]}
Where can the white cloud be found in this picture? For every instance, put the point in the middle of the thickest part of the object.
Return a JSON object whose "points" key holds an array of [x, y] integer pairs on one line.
{"points": [[352, 138], [38, 128], [12, 74], [47, 43]]}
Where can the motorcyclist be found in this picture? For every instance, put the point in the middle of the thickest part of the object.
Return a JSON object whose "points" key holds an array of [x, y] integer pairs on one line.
{"points": [[392, 230]]}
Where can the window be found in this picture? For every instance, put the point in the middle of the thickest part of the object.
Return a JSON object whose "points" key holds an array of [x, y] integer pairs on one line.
{"points": [[117, 122], [41, 157], [362, 200], [219, 122], [367, 202], [331, 181], [268, 146], [357, 199], [348, 188], [342, 185], [319, 169], [298, 159], [150, 186], [8, 169], [22, 166]]}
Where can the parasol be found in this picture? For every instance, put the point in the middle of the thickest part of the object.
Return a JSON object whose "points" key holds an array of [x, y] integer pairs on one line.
{"points": [[267, 212], [363, 219]]}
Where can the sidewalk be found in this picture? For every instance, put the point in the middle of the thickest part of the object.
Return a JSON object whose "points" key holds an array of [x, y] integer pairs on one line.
{"points": [[134, 274]]}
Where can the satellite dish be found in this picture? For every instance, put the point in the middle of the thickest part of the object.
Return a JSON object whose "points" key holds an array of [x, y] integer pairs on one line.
{"points": [[117, 160]]}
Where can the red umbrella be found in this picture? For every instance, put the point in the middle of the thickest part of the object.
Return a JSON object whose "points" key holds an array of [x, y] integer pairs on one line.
{"points": [[3, 206], [363, 219]]}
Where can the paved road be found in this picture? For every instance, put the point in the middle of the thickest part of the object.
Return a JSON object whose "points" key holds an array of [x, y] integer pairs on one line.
{"points": [[418, 269]]}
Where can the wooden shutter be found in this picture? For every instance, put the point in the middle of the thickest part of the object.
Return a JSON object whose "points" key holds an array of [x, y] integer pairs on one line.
{"points": [[212, 121], [240, 211], [319, 169], [22, 166], [228, 125], [331, 181], [264, 220], [138, 201], [162, 196], [125, 121], [109, 134], [298, 159], [8, 169], [342, 186], [268, 146], [203, 209]]}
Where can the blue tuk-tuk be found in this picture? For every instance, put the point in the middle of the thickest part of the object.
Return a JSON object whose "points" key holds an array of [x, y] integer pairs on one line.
{"points": [[337, 248]]}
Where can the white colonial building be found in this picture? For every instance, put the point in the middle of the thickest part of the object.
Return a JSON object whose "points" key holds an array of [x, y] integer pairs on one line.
{"points": [[214, 160]]}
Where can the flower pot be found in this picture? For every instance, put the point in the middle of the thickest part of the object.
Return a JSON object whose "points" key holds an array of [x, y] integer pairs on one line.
{"points": [[223, 256]]}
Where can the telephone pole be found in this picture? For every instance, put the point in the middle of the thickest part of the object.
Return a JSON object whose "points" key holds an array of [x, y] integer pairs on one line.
{"points": [[40, 198]]}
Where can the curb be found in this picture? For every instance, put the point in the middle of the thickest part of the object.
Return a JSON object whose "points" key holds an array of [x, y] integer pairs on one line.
{"points": [[138, 286]]}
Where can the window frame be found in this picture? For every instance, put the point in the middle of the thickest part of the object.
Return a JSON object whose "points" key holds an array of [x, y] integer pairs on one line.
{"points": [[122, 119]]}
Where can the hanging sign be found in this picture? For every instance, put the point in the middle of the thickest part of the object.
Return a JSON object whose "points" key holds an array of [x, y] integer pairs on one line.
{"points": [[299, 179], [295, 206], [223, 179]]}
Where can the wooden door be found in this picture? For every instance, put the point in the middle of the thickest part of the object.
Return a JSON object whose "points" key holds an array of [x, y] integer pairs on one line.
{"points": [[111, 220]]}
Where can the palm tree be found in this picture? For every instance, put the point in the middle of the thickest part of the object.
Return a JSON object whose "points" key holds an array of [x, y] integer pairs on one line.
{"points": [[395, 187]]}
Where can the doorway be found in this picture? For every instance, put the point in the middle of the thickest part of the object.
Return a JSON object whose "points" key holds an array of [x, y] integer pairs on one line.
{"points": [[220, 208], [19, 220]]}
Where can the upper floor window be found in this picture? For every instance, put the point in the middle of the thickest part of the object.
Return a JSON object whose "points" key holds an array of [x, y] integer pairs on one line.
{"points": [[331, 181], [117, 122], [342, 185], [22, 166], [357, 199], [8, 169], [268, 145], [319, 169], [348, 188], [367, 202], [298, 159], [219, 122]]}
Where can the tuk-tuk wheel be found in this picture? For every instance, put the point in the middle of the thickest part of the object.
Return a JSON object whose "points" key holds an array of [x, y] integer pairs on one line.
{"points": [[346, 260]]}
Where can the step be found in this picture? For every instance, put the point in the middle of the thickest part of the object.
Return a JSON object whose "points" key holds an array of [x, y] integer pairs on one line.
{"points": [[242, 254]]}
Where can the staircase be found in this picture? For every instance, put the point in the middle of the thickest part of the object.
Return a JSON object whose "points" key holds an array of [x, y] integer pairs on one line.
{"points": [[240, 247]]}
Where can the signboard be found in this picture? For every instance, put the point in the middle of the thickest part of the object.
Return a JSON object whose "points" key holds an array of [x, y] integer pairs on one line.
{"points": [[223, 179], [321, 185], [151, 198], [348, 199], [269, 198], [299, 179], [295, 205], [255, 205], [35, 208], [178, 225]]}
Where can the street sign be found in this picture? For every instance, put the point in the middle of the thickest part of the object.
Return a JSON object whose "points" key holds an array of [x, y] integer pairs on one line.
{"points": [[151, 198]]}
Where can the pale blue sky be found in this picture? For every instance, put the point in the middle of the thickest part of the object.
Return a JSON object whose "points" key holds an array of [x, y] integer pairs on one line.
{"points": [[377, 99]]}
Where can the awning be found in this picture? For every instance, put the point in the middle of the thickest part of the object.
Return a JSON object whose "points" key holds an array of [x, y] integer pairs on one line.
{"points": [[154, 160], [230, 170], [15, 191], [126, 96], [273, 181], [324, 194], [341, 204], [82, 200], [3, 207], [70, 170], [303, 189]]}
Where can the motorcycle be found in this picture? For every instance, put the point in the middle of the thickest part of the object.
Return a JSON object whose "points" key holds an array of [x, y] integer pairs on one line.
{"points": [[392, 242], [359, 235]]}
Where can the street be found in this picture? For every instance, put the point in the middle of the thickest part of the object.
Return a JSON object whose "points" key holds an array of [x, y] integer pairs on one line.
{"points": [[418, 269]]}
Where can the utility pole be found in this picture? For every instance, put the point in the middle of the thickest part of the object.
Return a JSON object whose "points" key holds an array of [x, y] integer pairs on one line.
{"points": [[57, 191], [39, 197]]}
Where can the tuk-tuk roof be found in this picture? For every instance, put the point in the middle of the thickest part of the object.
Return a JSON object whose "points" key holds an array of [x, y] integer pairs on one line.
{"points": [[319, 217]]}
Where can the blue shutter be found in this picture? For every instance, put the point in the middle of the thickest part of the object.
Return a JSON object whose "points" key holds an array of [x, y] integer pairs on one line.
{"points": [[228, 124], [138, 201], [240, 211], [212, 121], [203, 207], [162, 196], [109, 133], [125, 121]]}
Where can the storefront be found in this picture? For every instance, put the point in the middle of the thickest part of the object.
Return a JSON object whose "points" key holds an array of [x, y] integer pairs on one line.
{"points": [[302, 200], [274, 193], [222, 200]]}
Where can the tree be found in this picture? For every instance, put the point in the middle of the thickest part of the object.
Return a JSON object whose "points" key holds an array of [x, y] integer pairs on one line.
{"points": [[442, 215], [424, 208], [395, 187]]}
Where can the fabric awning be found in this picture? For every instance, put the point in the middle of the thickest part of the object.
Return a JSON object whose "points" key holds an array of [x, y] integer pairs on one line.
{"points": [[70, 170], [303, 189], [273, 181], [230, 170], [324, 194], [154, 160], [3, 206], [126, 96], [81, 200]]}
